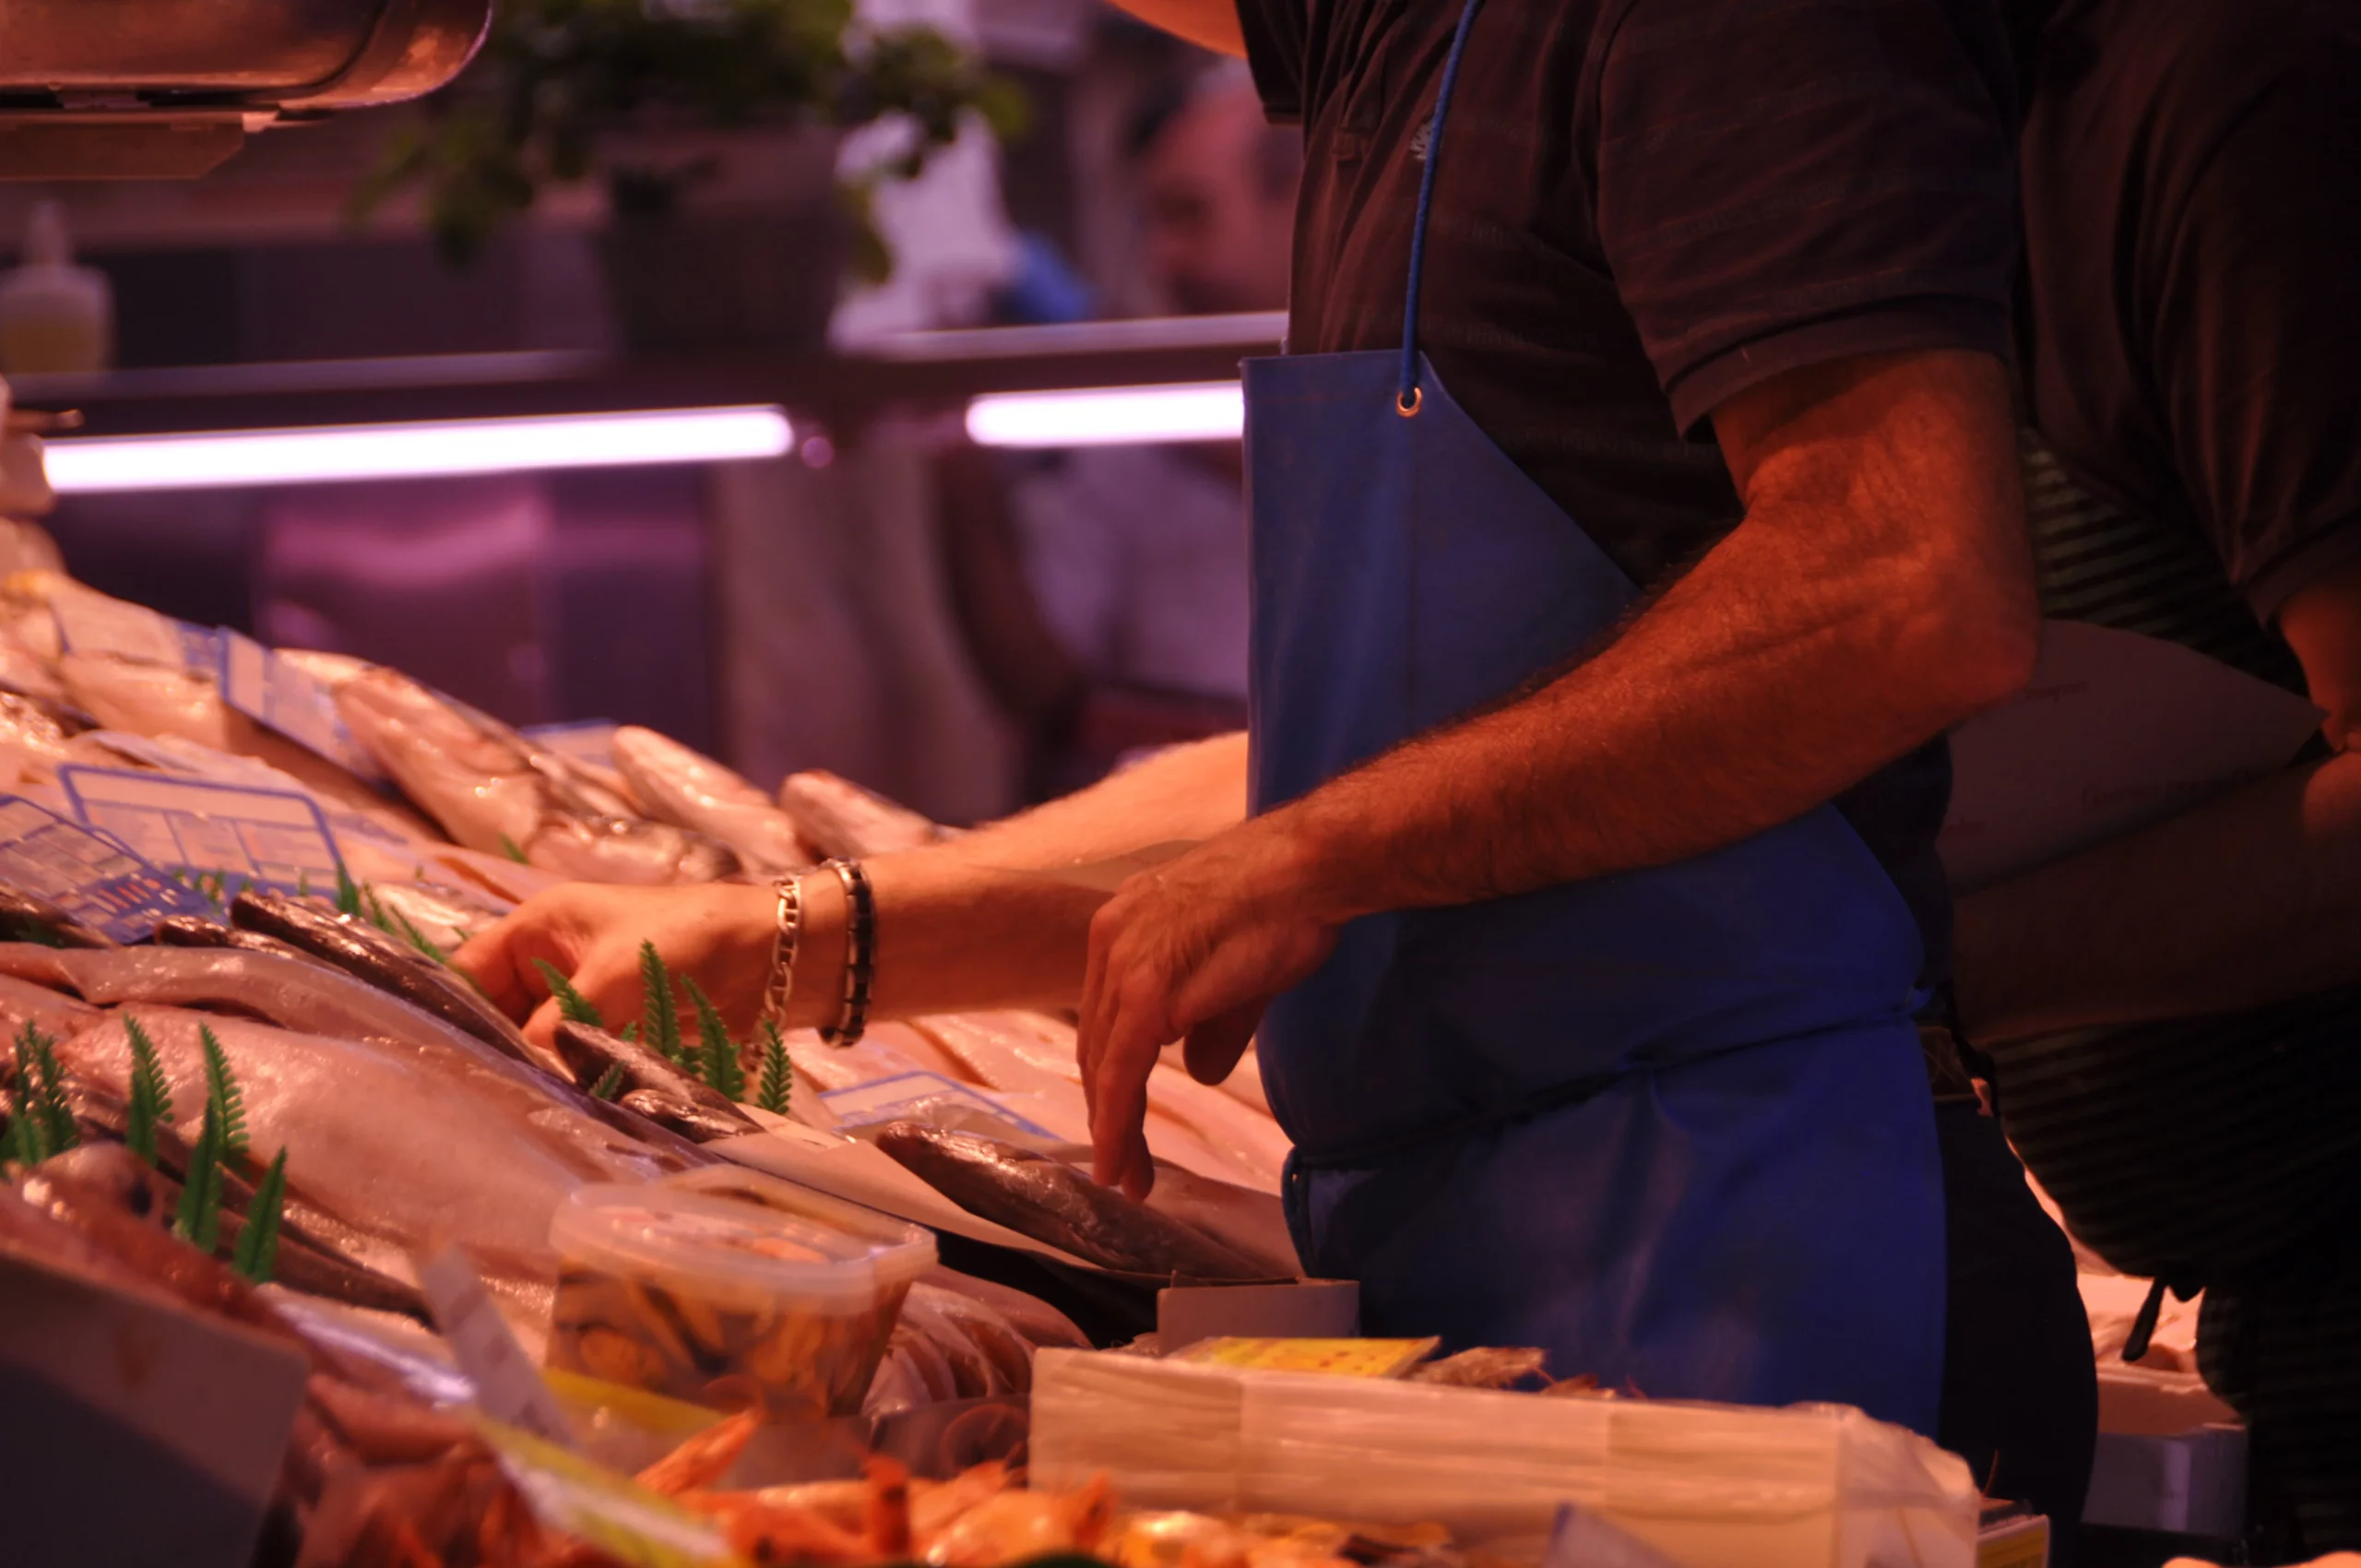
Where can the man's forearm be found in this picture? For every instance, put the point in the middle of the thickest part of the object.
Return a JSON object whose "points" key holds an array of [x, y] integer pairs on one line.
{"points": [[1001, 917], [1182, 795], [952, 937], [1878, 591], [2246, 900]]}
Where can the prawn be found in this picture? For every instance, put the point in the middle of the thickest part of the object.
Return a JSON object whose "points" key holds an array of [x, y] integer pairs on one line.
{"points": [[703, 1459]]}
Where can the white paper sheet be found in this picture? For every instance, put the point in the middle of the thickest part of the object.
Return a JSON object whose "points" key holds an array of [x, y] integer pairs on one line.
{"points": [[2115, 731]]}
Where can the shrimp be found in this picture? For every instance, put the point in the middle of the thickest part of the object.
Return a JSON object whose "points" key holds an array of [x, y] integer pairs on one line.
{"points": [[703, 1459], [1012, 1527]]}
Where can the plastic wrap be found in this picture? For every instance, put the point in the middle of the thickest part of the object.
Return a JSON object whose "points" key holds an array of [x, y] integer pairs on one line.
{"points": [[1711, 1486]]}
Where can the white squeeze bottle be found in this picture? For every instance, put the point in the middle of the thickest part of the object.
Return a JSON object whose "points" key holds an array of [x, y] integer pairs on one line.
{"points": [[55, 317]]}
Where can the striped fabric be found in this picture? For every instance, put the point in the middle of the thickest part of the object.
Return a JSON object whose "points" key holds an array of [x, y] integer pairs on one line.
{"points": [[2104, 567], [2221, 1152]]}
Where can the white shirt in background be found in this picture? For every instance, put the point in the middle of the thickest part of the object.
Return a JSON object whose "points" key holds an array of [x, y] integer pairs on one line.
{"points": [[1138, 555]]}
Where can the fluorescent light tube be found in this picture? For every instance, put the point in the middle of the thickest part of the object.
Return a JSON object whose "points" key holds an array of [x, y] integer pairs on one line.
{"points": [[323, 454], [1109, 416]]}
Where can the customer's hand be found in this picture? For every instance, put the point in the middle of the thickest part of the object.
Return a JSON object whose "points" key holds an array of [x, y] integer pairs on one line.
{"points": [[717, 935], [1193, 949]]}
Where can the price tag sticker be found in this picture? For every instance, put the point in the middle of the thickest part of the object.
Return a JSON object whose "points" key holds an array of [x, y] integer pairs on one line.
{"points": [[279, 693], [91, 877], [274, 837], [1343, 1358]]}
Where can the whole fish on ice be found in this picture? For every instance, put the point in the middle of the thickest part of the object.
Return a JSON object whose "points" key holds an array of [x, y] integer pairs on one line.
{"points": [[689, 790], [837, 816], [368, 954], [301, 994], [403, 1146], [1052, 1202], [493, 793]]}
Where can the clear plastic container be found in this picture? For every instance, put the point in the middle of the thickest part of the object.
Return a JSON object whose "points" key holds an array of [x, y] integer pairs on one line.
{"points": [[905, 1251], [727, 1303]]}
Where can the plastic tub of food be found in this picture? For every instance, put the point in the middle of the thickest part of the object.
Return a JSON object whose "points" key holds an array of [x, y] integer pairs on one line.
{"points": [[906, 1251], [725, 1302]]}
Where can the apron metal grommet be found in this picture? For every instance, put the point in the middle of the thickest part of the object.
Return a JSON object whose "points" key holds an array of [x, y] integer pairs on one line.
{"points": [[1407, 407]]}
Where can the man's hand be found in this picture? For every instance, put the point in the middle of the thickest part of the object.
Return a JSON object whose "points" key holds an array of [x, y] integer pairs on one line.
{"points": [[1192, 950], [720, 936]]}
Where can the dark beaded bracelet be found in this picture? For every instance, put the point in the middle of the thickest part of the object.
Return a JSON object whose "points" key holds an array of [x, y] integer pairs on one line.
{"points": [[860, 954]]}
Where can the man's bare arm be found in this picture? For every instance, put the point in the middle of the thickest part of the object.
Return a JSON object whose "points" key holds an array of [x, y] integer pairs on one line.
{"points": [[997, 918], [1879, 590], [2246, 900], [1187, 794]]}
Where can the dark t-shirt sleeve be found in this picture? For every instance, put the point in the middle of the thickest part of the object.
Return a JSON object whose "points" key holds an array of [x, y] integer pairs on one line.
{"points": [[1275, 44], [2254, 297], [1785, 185]]}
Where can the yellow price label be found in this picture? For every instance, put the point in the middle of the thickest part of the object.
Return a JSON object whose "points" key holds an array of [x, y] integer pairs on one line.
{"points": [[1344, 1358]]}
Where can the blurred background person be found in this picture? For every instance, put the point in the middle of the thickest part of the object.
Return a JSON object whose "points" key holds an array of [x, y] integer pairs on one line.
{"points": [[1102, 590]]}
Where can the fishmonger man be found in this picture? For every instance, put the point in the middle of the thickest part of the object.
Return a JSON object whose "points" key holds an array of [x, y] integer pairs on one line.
{"points": [[1634, 510]]}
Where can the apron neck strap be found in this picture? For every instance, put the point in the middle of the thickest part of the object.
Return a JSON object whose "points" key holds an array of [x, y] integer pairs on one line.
{"points": [[1407, 398]]}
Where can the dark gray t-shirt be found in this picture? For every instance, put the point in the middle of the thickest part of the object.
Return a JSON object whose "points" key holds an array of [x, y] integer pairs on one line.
{"points": [[1644, 208]]}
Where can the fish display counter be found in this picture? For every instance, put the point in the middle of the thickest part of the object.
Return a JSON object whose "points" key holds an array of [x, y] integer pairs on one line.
{"points": [[662, 1295]]}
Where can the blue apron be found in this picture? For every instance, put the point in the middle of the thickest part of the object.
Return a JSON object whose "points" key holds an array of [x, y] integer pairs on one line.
{"points": [[1672, 1125]]}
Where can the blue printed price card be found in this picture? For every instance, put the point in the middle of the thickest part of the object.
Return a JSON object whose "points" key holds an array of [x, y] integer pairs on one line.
{"points": [[92, 878], [279, 693], [274, 838]]}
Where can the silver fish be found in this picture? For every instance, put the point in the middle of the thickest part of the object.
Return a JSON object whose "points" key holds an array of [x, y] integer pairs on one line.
{"points": [[689, 789], [406, 1147], [837, 816], [494, 793]]}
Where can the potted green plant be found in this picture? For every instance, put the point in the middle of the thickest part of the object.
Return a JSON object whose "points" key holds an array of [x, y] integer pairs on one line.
{"points": [[714, 127]]}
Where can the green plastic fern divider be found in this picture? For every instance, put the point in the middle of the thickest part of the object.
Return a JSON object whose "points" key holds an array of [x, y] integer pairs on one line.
{"points": [[223, 1099], [45, 1083], [716, 1052], [199, 1221], [572, 1005], [660, 1010], [258, 1249], [151, 1096], [347, 894], [778, 1087]]}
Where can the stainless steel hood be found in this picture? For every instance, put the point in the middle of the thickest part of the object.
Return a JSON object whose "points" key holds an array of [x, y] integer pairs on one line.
{"points": [[160, 89]]}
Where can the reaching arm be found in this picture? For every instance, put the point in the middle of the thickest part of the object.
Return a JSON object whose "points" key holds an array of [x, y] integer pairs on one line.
{"points": [[994, 918], [1187, 794], [2246, 900], [1878, 590]]}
